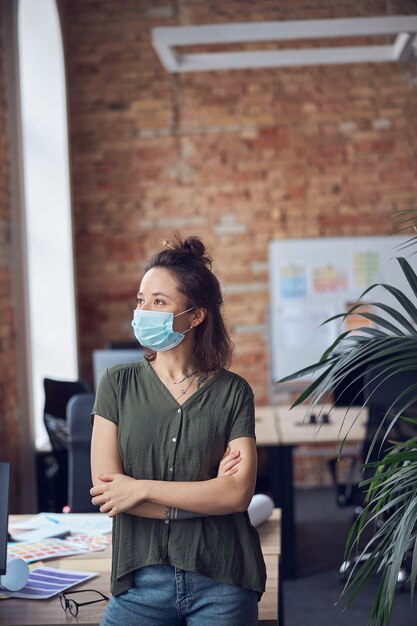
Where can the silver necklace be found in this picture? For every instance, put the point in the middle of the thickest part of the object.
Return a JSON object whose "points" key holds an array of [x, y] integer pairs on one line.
{"points": [[200, 381], [184, 391], [186, 375]]}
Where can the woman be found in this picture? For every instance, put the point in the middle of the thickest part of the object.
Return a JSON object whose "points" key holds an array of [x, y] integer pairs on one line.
{"points": [[174, 458]]}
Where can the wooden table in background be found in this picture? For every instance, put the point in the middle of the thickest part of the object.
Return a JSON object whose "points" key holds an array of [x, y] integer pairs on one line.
{"points": [[280, 429], [18, 612]]}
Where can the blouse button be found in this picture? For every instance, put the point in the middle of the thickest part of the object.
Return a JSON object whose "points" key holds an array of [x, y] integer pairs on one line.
{"points": [[174, 439]]}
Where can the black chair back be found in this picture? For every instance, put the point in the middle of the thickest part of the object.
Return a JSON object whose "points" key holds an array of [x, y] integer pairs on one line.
{"points": [[57, 396], [381, 392], [79, 445]]}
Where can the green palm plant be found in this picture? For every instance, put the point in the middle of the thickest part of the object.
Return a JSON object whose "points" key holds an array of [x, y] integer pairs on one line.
{"points": [[388, 348]]}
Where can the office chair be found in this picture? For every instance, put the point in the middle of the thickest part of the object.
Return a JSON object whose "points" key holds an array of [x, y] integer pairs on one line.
{"points": [[380, 391], [349, 392], [79, 443], [57, 395]]}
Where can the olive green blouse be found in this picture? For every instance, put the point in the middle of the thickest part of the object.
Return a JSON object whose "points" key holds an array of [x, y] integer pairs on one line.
{"points": [[161, 440]]}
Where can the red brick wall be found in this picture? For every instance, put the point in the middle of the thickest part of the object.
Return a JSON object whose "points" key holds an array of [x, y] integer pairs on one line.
{"points": [[9, 400], [237, 157]]}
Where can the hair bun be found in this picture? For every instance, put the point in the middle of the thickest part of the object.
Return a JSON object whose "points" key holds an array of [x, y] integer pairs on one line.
{"points": [[195, 246], [192, 246]]}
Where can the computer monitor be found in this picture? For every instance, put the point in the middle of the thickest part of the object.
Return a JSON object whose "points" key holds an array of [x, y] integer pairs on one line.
{"points": [[103, 359], [4, 513]]}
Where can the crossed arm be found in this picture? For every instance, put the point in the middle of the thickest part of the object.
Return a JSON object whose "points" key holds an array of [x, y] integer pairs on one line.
{"points": [[231, 491]]}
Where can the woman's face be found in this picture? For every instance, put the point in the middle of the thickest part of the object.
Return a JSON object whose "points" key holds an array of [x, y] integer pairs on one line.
{"points": [[159, 291]]}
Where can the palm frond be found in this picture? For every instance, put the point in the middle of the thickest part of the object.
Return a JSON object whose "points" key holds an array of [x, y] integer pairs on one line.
{"points": [[386, 349], [393, 496]]}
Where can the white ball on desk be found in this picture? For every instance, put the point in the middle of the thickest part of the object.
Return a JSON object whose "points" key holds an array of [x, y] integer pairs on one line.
{"points": [[17, 574], [260, 509]]}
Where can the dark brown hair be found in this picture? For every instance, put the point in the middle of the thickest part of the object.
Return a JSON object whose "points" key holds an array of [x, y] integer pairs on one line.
{"points": [[190, 265]]}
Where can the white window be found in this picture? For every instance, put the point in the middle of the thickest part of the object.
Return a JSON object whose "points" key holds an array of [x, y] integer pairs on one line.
{"points": [[52, 321]]}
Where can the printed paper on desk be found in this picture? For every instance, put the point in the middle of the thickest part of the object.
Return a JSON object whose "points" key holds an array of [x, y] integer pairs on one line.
{"points": [[41, 520], [45, 582], [46, 549], [89, 523], [92, 543], [47, 532]]}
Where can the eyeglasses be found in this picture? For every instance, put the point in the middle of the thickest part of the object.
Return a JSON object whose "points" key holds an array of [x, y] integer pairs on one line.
{"points": [[72, 605]]}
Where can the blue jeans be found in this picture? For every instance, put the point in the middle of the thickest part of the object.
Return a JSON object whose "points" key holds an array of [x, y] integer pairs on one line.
{"points": [[164, 595]]}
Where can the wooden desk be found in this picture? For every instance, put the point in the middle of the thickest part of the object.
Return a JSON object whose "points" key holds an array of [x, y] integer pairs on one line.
{"points": [[278, 425], [17, 612], [280, 429]]}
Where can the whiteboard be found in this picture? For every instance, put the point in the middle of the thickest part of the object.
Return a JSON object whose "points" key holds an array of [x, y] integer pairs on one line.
{"points": [[313, 279]]}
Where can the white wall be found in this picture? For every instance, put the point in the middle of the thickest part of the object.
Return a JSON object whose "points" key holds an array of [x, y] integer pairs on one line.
{"points": [[47, 200]]}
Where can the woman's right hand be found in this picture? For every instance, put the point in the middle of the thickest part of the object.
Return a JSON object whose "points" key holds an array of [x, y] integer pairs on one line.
{"points": [[229, 461]]}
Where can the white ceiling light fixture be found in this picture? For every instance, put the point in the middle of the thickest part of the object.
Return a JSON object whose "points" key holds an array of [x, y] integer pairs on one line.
{"points": [[403, 47]]}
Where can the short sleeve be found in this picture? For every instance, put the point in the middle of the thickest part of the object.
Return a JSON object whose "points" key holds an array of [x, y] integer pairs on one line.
{"points": [[242, 422], [106, 404]]}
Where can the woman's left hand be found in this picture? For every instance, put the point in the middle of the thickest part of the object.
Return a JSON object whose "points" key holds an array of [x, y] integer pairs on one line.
{"points": [[116, 493], [229, 462]]}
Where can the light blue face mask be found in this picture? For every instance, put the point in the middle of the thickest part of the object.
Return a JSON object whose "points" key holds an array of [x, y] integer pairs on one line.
{"points": [[154, 329]]}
